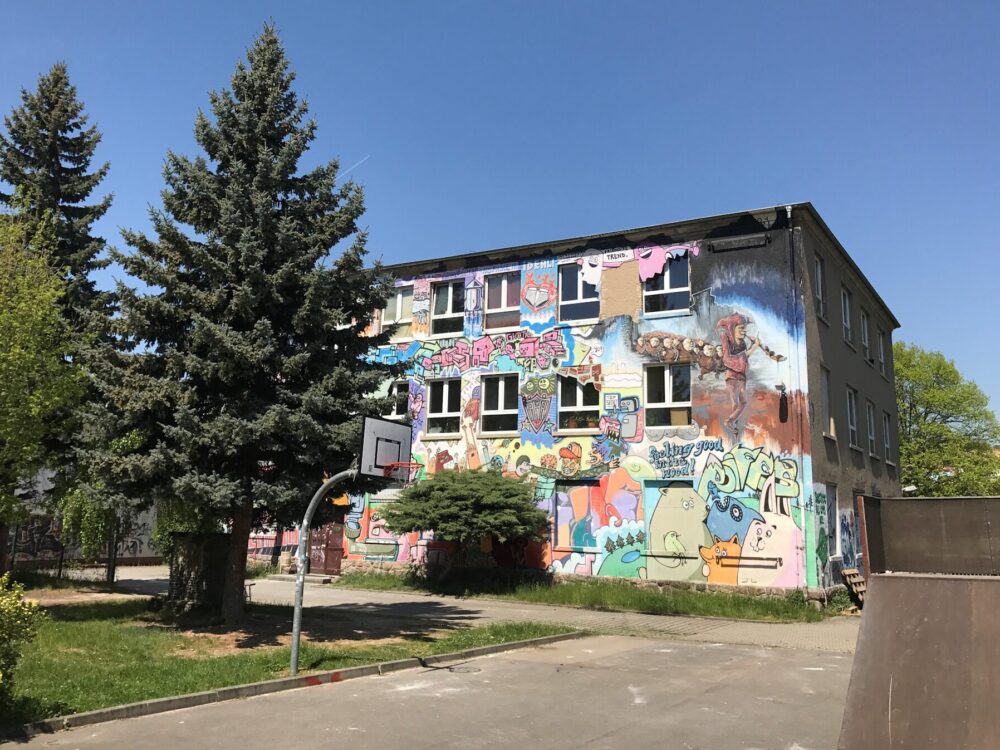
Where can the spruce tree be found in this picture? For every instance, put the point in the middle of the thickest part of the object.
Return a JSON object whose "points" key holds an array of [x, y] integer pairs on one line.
{"points": [[254, 330], [45, 158]]}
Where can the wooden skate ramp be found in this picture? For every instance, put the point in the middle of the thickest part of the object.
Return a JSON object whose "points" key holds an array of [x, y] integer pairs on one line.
{"points": [[926, 671]]}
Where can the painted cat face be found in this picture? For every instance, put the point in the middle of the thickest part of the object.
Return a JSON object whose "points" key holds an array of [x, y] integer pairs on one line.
{"points": [[759, 535]]}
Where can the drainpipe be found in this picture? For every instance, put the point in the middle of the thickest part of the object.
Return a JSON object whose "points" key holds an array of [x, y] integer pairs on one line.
{"points": [[796, 386]]}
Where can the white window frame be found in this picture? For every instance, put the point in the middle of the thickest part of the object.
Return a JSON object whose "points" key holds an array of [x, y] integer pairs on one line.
{"points": [[505, 379], [398, 292], [562, 409], [866, 344], [870, 425], [846, 300], [819, 282], [579, 295], [503, 296], [449, 383], [450, 314], [668, 384], [394, 395], [852, 418], [881, 351], [828, 424], [886, 441], [667, 289]]}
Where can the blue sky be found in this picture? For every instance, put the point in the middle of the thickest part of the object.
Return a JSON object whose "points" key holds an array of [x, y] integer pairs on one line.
{"points": [[484, 125]]}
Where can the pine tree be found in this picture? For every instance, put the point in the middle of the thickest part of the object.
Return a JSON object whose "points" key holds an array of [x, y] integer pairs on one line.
{"points": [[46, 159], [256, 356]]}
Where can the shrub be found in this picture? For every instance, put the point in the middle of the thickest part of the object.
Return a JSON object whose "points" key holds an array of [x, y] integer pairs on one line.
{"points": [[467, 506], [18, 623], [839, 600]]}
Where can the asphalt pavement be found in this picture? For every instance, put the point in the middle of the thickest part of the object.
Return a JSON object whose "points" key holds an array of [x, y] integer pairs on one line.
{"points": [[597, 692]]}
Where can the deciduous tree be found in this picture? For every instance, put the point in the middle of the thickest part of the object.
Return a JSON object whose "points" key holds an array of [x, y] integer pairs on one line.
{"points": [[36, 384], [948, 435]]}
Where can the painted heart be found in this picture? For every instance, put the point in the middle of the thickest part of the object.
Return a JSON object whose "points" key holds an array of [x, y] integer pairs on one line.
{"points": [[536, 297]]}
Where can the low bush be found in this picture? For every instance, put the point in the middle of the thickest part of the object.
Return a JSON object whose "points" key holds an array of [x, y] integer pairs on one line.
{"points": [[19, 621]]}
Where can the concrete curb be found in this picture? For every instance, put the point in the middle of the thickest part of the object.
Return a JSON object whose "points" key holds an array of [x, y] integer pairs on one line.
{"points": [[161, 705]]}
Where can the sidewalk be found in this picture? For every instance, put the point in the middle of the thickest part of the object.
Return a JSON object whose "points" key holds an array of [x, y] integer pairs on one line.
{"points": [[836, 635]]}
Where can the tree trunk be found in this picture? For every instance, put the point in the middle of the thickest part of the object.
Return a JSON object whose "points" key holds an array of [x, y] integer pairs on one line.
{"points": [[109, 576], [276, 549], [4, 544], [236, 565]]}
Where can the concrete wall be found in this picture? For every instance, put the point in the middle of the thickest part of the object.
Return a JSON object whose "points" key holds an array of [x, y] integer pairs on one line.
{"points": [[842, 470], [726, 499], [37, 544]]}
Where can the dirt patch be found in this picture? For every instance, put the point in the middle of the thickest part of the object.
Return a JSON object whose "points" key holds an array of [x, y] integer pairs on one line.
{"points": [[264, 630], [54, 597]]}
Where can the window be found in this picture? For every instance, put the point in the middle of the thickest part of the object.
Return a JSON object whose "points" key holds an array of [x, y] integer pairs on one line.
{"points": [[668, 395], [399, 392], [399, 310], [886, 442], [448, 313], [852, 417], [578, 300], [499, 404], [870, 424], [845, 311], [578, 405], [827, 424], [866, 345], [819, 282], [503, 300], [881, 352], [670, 290], [444, 409]]}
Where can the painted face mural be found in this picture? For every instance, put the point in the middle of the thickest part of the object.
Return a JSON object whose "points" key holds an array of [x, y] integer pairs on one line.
{"points": [[536, 397], [712, 494]]}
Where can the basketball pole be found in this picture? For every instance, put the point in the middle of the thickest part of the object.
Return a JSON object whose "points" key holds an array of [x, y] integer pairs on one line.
{"points": [[300, 573]]}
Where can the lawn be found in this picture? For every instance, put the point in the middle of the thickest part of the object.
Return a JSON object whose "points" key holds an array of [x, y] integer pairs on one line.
{"points": [[90, 656], [602, 594]]}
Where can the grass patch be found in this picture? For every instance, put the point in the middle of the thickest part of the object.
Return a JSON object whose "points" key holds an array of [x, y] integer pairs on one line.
{"points": [[260, 570], [600, 594], [35, 580], [96, 655]]}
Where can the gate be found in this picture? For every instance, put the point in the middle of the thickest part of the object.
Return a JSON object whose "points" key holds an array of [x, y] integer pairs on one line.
{"points": [[326, 549]]}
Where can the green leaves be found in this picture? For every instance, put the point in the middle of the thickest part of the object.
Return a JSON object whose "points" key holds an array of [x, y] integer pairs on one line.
{"points": [[466, 506], [948, 435], [36, 383]]}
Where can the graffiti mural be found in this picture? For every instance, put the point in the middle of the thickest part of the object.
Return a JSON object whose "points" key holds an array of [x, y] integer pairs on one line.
{"points": [[659, 443]]}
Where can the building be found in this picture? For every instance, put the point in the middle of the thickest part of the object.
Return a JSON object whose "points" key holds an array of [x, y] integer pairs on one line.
{"points": [[695, 401]]}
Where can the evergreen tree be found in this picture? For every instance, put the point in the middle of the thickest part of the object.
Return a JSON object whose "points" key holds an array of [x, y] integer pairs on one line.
{"points": [[256, 359], [46, 157]]}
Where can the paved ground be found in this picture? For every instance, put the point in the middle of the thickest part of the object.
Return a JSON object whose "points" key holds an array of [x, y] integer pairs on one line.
{"points": [[600, 692], [837, 634]]}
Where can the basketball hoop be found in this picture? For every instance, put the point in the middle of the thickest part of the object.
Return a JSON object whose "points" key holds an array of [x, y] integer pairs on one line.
{"points": [[403, 473]]}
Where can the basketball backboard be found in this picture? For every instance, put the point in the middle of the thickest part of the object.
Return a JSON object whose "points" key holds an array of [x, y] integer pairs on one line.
{"points": [[383, 442]]}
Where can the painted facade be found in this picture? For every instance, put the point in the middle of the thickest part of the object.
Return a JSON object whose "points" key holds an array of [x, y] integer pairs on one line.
{"points": [[661, 410]]}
